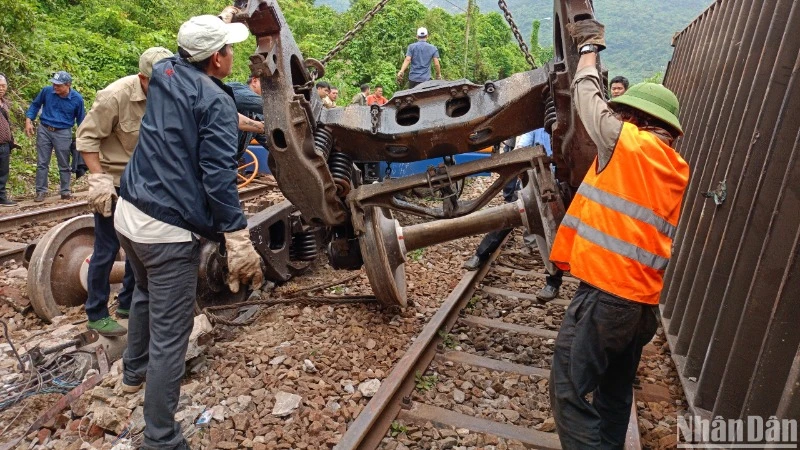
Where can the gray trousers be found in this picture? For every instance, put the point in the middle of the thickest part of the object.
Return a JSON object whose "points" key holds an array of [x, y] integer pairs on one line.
{"points": [[597, 351], [46, 141], [161, 320]]}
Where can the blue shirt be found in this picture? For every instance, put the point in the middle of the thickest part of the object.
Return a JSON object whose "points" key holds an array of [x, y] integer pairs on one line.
{"points": [[536, 137], [57, 112], [421, 53]]}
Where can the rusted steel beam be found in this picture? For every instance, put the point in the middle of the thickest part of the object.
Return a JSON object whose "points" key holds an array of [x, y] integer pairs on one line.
{"points": [[732, 74], [773, 367], [708, 109], [730, 297], [749, 96], [735, 95], [766, 228], [702, 326], [761, 109]]}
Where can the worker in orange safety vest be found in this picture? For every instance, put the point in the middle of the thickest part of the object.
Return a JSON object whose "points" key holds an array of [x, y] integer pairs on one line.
{"points": [[616, 238]]}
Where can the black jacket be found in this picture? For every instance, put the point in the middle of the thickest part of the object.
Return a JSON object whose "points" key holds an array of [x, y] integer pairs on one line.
{"points": [[183, 171]]}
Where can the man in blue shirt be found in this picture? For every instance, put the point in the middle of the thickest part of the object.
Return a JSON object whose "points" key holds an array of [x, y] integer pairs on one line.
{"points": [[419, 55], [61, 107]]}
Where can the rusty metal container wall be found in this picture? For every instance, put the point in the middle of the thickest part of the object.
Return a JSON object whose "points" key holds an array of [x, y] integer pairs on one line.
{"points": [[731, 294]]}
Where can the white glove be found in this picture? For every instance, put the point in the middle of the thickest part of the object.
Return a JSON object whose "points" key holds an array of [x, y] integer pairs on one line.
{"points": [[102, 193], [244, 263]]}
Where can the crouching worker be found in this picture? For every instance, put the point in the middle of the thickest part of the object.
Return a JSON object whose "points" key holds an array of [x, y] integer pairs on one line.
{"points": [[180, 183], [616, 238]]}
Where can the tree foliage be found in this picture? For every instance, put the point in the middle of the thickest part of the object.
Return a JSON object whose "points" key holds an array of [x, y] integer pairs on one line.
{"points": [[99, 41]]}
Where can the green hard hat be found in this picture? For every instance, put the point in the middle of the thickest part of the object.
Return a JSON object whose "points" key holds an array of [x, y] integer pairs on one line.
{"points": [[653, 99]]}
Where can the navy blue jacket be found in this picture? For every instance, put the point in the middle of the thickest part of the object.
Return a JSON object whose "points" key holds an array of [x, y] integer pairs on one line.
{"points": [[183, 171], [57, 112], [249, 104]]}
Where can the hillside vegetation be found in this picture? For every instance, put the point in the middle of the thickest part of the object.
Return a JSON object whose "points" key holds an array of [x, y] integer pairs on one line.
{"points": [[638, 32], [99, 41]]}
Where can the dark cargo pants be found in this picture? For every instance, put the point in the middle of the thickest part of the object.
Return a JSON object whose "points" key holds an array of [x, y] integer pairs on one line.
{"points": [[597, 351], [161, 320], [106, 247]]}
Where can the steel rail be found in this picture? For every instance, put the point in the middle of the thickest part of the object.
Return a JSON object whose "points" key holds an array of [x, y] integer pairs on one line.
{"points": [[372, 423], [393, 399], [62, 212]]}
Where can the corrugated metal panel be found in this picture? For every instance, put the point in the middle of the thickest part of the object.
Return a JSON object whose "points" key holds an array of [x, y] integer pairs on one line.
{"points": [[731, 299]]}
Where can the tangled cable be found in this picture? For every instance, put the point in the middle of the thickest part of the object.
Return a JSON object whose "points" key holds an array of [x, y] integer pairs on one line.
{"points": [[56, 374]]}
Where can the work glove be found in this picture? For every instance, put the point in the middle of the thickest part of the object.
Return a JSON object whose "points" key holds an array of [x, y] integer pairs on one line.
{"points": [[102, 193], [227, 14], [586, 32], [399, 78], [244, 263]]}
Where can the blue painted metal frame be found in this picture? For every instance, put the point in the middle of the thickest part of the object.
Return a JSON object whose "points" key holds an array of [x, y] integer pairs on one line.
{"points": [[398, 169]]}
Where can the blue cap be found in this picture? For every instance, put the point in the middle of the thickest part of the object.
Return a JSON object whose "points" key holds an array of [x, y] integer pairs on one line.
{"points": [[61, 77]]}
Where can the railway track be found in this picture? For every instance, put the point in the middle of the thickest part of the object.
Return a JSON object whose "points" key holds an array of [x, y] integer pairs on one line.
{"points": [[409, 394], [15, 250]]}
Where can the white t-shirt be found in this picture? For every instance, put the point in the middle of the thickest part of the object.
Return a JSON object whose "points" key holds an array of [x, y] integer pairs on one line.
{"points": [[137, 226]]}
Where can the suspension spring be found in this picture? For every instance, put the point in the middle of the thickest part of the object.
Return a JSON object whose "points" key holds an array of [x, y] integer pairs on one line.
{"points": [[549, 113], [342, 170], [323, 141], [304, 247]]}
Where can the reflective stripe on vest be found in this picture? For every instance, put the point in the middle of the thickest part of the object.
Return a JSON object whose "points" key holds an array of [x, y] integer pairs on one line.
{"points": [[615, 245], [617, 233], [628, 208]]}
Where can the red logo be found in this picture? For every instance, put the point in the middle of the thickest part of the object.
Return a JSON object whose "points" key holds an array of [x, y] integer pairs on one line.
{"points": [[170, 72]]}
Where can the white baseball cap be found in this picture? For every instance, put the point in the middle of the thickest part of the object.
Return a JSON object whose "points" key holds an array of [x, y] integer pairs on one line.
{"points": [[202, 36], [422, 32]]}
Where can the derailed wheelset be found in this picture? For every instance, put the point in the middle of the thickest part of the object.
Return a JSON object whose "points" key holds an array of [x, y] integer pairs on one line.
{"points": [[58, 263], [311, 148]]}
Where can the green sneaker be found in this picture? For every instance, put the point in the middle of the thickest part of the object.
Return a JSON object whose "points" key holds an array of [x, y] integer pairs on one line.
{"points": [[123, 313], [107, 327]]}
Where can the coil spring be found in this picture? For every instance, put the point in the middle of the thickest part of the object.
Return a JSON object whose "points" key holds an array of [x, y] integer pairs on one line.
{"points": [[549, 114], [323, 141], [342, 170], [304, 247]]}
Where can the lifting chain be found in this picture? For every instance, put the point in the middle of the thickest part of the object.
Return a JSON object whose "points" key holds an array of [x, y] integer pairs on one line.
{"points": [[522, 46], [352, 33]]}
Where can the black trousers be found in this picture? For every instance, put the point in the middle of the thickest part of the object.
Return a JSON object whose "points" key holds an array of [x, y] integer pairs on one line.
{"points": [[5, 160], [492, 240], [597, 351], [106, 247]]}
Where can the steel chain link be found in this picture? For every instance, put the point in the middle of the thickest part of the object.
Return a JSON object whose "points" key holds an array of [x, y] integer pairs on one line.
{"points": [[352, 33], [522, 46]]}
